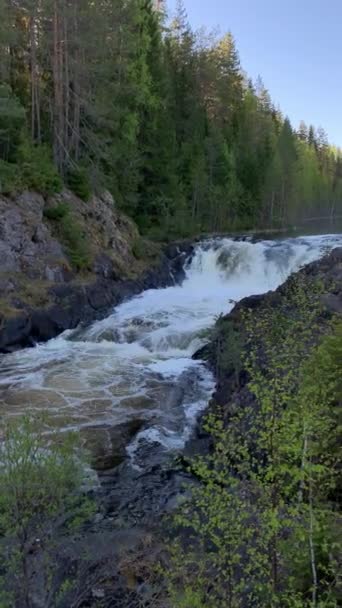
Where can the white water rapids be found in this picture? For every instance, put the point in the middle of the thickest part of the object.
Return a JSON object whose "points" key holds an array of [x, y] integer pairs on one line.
{"points": [[136, 365]]}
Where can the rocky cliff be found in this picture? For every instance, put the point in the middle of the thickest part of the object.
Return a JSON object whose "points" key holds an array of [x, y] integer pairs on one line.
{"points": [[64, 261]]}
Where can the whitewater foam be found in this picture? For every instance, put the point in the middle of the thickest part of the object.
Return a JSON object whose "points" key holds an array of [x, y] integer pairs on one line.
{"points": [[144, 347]]}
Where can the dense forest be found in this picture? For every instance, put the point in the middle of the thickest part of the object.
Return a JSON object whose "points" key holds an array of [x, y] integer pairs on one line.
{"points": [[116, 487], [115, 95]]}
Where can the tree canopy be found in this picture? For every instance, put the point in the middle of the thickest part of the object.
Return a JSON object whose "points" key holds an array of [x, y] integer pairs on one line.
{"points": [[162, 116]]}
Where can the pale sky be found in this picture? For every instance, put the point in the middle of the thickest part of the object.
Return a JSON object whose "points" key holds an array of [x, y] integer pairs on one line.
{"points": [[295, 46]]}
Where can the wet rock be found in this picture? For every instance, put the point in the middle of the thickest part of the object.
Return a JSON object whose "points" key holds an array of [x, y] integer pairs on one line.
{"points": [[33, 264], [75, 303], [107, 444], [7, 285], [103, 266], [15, 332]]}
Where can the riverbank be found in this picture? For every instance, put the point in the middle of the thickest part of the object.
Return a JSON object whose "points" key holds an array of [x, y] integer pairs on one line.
{"points": [[66, 262]]}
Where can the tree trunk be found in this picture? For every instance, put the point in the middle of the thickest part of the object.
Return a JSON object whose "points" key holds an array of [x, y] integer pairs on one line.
{"points": [[58, 103], [75, 138]]}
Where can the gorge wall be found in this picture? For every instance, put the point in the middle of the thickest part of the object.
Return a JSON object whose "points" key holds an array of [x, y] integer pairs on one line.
{"points": [[65, 261]]}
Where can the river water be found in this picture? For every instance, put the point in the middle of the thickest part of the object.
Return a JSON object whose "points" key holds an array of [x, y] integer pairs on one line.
{"points": [[130, 378]]}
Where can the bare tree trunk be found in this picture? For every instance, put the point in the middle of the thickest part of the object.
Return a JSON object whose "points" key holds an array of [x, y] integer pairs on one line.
{"points": [[66, 81], [272, 207], [35, 92], [55, 85], [33, 77], [75, 143], [58, 107]]}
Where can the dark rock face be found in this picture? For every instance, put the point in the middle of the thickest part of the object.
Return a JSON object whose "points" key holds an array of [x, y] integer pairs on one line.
{"points": [[30, 257], [107, 443], [75, 304], [26, 243]]}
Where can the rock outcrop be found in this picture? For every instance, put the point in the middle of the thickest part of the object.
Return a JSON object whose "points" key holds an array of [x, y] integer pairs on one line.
{"points": [[26, 243], [42, 293]]}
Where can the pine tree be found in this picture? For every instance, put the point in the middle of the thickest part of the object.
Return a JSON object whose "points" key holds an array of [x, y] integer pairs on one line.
{"points": [[163, 117]]}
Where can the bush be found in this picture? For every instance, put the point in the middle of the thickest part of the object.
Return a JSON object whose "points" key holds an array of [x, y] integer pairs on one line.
{"points": [[73, 237], [10, 179], [78, 181], [71, 234], [143, 249], [38, 170], [40, 480], [58, 212]]}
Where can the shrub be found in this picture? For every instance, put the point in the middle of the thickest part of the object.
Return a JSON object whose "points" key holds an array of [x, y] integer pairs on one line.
{"points": [[78, 181], [10, 178], [73, 237], [38, 170], [58, 212], [143, 249], [71, 234], [40, 482]]}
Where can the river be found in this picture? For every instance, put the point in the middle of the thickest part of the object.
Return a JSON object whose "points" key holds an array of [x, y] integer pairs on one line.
{"points": [[130, 380]]}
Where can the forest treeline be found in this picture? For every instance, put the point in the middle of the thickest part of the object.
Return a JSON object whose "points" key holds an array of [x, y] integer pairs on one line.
{"points": [[111, 94]]}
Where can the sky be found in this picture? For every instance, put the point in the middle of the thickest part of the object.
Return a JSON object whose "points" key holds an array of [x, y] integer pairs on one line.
{"points": [[294, 45]]}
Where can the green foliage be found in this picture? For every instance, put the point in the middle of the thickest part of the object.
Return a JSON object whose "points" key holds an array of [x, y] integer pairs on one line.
{"points": [[227, 341], [143, 249], [37, 169], [189, 599], [58, 212], [161, 116], [12, 122], [34, 170], [260, 527], [77, 247], [71, 234], [40, 480], [10, 178], [79, 182]]}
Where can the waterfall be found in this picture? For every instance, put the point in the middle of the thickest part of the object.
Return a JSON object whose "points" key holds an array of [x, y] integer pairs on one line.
{"points": [[137, 363]]}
